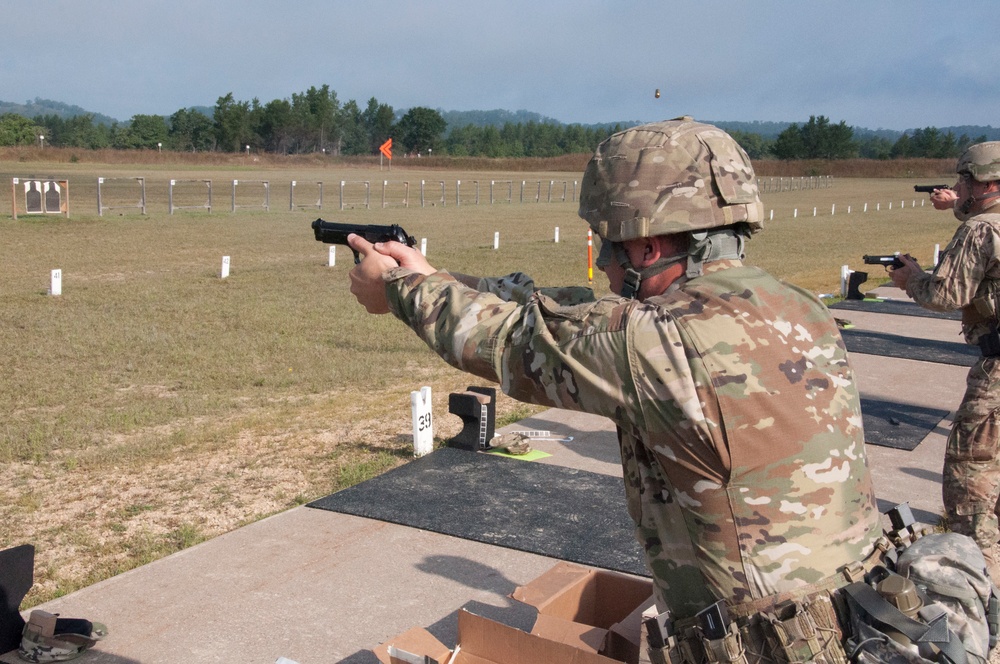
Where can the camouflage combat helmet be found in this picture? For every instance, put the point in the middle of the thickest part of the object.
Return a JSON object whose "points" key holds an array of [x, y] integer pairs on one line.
{"points": [[981, 161], [669, 177]]}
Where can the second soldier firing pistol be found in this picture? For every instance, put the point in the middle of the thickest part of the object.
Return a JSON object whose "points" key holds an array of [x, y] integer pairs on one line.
{"points": [[333, 233]]}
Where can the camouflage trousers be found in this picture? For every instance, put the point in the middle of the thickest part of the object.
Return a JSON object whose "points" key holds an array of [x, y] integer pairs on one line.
{"points": [[971, 484]]}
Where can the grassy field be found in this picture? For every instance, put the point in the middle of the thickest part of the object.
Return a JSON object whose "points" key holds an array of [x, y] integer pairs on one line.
{"points": [[153, 404]]}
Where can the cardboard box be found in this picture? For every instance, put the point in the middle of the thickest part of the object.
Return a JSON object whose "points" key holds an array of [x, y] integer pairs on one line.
{"points": [[483, 641], [590, 609]]}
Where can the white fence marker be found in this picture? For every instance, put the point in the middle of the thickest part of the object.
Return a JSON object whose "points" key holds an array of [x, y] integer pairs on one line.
{"points": [[332, 260], [55, 286], [423, 422], [557, 235], [423, 247], [496, 240], [225, 267]]}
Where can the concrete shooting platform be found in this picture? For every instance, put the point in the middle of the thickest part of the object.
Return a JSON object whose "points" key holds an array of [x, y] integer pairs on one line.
{"points": [[316, 586]]}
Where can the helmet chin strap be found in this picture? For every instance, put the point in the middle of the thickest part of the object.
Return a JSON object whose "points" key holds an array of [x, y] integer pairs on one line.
{"points": [[703, 246], [986, 197], [633, 277], [966, 206]]}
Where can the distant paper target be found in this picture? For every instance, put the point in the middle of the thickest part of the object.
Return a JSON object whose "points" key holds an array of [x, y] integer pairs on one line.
{"points": [[45, 197]]}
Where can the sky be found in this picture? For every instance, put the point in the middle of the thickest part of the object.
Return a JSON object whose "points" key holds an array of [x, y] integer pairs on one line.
{"points": [[875, 64]]}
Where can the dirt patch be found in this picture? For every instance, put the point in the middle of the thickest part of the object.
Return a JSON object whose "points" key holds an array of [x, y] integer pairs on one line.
{"points": [[87, 524]]}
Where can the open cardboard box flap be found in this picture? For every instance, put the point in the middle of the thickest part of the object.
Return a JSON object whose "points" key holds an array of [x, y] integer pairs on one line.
{"points": [[576, 634], [417, 641], [483, 641], [588, 608]]}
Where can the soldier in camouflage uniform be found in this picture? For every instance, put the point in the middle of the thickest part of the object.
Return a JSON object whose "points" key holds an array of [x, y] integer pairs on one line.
{"points": [[968, 278], [737, 413]]}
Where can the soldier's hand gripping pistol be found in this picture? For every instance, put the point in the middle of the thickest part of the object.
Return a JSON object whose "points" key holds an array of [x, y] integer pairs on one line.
{"points": [[333, 233], [886, 261]]}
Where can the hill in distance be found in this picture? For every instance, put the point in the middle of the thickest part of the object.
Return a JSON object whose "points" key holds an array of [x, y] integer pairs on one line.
{"points": [[499, 117], [36, 107]]}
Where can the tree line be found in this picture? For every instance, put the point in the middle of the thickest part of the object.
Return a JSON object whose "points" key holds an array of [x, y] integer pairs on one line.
{"points": [[316, 121], [820, 139], [313, 121]]}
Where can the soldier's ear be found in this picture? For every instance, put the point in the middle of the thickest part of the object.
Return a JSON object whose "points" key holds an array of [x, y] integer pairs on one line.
{"points": [[642, 251], [650, 251], [667, 246], [647, 251]]}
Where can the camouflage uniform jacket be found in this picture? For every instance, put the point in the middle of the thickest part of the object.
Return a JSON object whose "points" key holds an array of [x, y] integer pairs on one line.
{"points": [[967, 276], [739, 423]]}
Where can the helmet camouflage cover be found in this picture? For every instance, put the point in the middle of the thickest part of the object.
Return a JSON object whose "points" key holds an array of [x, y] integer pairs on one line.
{"points": [[669, 177], [982, 161]]}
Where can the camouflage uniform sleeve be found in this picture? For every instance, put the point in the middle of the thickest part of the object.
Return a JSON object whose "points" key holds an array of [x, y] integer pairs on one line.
{"points": [[964, 264], [519, 287], [539, 350]]}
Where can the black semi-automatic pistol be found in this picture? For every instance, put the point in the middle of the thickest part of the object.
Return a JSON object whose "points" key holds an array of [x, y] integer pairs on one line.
{"points": [[333, 233]]}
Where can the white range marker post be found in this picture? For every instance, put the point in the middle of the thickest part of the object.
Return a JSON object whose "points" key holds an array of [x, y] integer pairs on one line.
{"points": [[423, 422], [55, 284], [225, 267], [333, 256], [557, 235], [423, 246], [496, 240]]}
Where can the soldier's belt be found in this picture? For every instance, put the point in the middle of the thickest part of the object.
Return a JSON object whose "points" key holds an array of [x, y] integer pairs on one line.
{"points": [[848, 574], [803, 625]]}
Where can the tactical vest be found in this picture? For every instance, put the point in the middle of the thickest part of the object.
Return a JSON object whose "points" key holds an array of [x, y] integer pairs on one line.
{"points": [[791, 499], [982, 313], [929, 600]]}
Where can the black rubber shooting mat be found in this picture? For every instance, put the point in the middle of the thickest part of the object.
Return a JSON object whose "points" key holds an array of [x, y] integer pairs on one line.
{"points": [[894, 307], [562, 513], [909, 348], [897, 425], [17, 575]]}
